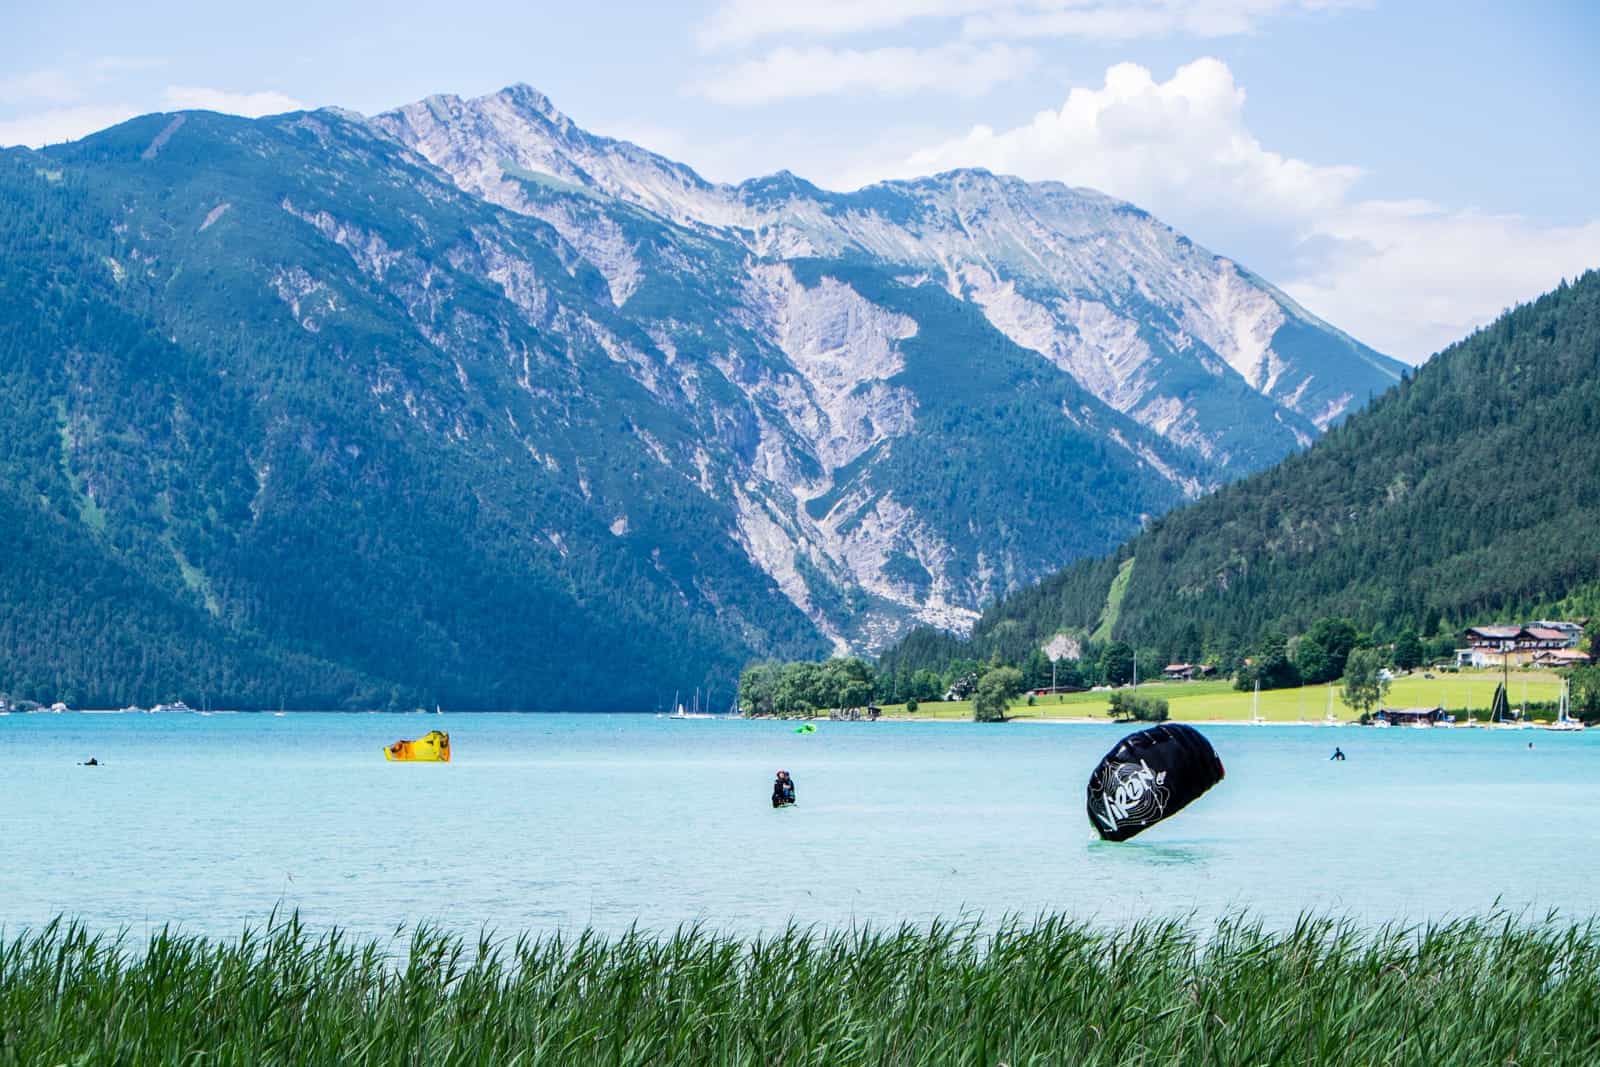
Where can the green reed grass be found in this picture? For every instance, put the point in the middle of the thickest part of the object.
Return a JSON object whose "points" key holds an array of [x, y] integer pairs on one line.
{"points": [[1477, 991]]}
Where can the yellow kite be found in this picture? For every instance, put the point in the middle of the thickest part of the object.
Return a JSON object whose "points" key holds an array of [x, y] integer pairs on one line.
{"points": [[432, 747]]}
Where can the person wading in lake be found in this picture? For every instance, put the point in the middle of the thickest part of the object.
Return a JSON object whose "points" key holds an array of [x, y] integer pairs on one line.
{"points": [[782, 790], [1338, 753]]}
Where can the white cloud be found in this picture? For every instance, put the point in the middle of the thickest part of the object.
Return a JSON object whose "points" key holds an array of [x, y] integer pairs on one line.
{"points": [[114, 65], [1406, 277], [55, 104], [54, 86], [54, 125], [59, 86], [791, 73], [739, 22], [250, 105], [1416, 277], [1178, 146], [1100, 20]]}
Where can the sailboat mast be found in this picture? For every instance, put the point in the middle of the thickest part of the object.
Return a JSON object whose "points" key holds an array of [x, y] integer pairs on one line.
{"points": [[1505, 672]]}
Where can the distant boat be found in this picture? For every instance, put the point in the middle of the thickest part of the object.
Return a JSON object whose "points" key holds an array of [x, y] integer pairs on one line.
{"points": [[1565, 723], [176, 705], [682, 714], [1500, 715], [1255, 708]]}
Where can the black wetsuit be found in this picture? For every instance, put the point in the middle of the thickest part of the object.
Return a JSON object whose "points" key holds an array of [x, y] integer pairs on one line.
{"points": [[782, 792], [1338, 753]]}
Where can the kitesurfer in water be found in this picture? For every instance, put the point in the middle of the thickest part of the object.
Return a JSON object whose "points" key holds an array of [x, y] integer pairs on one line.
{"points": [[1338, 753], [782, 790], [90, 762]]}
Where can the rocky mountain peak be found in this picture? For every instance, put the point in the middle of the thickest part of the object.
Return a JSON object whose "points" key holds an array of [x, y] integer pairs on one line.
{"points": [[527, 98], [1192, 350]]}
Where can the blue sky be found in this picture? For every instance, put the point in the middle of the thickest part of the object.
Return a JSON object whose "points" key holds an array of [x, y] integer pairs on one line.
{"points": [[1406, 170]]}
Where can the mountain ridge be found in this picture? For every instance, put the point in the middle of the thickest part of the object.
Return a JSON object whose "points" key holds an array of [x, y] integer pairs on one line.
{"points": [[496, 134], [1467, 492], [395, 439]]}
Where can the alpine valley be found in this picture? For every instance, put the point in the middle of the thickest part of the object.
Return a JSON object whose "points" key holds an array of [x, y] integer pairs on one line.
{"points": [[463, 404]]}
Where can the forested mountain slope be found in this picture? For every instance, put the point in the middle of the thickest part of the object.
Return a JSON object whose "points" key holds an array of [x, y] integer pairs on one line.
{"points": [[1472, 489], [343, 424], [292, 440]]}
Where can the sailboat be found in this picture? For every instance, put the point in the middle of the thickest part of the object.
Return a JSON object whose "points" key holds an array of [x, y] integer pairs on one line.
{"points": [[1500, 716], [1565, 723], [1255, 708], [1330, 719], [680, 713]]}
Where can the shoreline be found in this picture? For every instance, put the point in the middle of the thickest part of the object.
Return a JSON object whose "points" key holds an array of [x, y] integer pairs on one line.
{"points": [[1084, 720]]}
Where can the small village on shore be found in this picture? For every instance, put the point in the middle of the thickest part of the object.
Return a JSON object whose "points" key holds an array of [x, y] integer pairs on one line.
{"points": [[1533, 666]]}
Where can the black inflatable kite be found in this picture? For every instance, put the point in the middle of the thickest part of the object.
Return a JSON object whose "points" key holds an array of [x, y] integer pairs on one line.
{"points": [[1150, 775]]}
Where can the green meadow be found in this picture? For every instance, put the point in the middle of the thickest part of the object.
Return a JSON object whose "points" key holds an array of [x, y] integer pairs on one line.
{"points": [[1053, 991], [1218, 701]]}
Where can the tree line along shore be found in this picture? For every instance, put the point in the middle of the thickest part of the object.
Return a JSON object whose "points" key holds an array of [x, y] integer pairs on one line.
{"points": [[1332, 670]]}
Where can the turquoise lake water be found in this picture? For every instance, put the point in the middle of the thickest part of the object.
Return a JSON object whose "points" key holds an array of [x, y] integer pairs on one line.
{"points": [[547, 822]]}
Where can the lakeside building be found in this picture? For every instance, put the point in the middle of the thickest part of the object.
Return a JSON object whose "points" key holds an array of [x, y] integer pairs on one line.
{"points": [[1186, 672], [1562, 657], [1515, 645], [1573, 630]]}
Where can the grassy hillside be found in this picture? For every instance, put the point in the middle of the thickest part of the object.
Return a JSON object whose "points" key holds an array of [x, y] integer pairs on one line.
{"points": [[1219, 701], [1470, 490]]}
